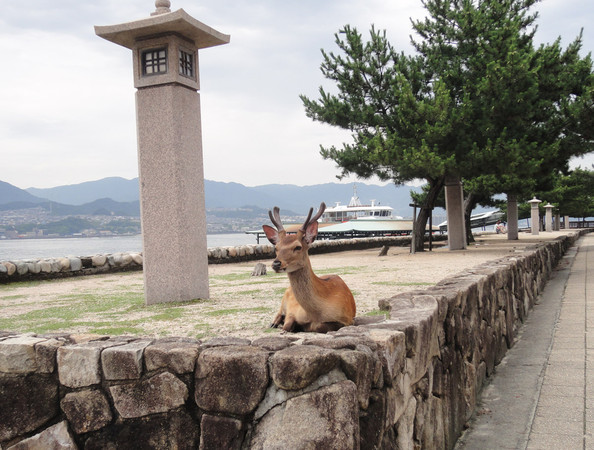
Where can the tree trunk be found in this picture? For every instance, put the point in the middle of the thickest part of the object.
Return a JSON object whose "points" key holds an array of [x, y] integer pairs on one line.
{"points": [[469, 205], [512, 217], [420, 226]]}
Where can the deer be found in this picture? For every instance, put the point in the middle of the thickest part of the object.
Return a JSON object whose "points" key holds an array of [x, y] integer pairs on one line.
{"points": [[310, 303]]}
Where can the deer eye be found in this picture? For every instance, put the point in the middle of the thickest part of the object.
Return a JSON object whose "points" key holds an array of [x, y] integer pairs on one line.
{"points": [[297, 249]]}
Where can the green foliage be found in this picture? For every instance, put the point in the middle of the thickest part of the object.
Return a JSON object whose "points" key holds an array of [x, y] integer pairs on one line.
{"points": [[573, 194], [477, 101]]}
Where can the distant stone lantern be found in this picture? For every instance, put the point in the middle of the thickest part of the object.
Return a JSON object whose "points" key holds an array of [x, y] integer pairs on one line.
{"points": [[165, 58], [534, 215], [549, 217]]}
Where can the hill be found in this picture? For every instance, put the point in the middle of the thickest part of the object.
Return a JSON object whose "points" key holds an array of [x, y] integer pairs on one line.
{"points": [[12, 194], [222, 195], [115, 188]]}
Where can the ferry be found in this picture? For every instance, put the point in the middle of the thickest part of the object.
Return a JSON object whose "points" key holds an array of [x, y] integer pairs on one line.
{"points": [[355, 210]]}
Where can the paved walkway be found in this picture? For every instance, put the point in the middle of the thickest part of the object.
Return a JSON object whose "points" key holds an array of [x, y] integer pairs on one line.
{"points": [[542, 394]]}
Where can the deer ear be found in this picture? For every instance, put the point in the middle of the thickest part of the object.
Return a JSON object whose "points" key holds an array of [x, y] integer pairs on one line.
{"points": [[311, 233], [271, 234]]}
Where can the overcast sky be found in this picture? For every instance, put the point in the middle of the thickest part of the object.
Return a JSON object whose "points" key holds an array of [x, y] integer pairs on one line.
{"points": [[67, 111]]}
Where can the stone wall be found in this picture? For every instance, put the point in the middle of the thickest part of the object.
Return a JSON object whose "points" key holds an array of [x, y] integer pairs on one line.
{"points": [[37, 269], [410, 381]]}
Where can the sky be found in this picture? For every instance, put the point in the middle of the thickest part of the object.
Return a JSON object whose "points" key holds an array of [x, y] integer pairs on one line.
{"points": [[67, 108]]}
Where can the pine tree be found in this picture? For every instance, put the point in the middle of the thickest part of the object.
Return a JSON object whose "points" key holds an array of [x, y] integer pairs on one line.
{"points": [[476, 102]]}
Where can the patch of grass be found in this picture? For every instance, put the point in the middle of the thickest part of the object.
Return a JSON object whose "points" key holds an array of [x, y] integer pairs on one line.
{"points": [[229, 311], [280, 291], [377, 312], [235, 276], [204, 330], [24, 284], [12, 297], [169, 314], [251, 292], [116, 330]]}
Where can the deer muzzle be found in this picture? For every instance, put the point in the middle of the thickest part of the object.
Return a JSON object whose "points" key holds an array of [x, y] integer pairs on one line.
{"points": [[277, 266]]}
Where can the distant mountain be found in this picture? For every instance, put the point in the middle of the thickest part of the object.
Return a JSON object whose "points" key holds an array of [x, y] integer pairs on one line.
{"points": [[115, 188], [10, 194], [116, 194]]}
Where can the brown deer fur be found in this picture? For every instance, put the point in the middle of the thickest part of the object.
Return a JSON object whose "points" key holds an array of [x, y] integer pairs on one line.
{"points": [[311, 303]]}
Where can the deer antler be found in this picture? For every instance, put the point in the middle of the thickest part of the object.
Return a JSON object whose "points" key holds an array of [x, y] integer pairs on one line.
{"points": [[275, 218], [321, 210]]}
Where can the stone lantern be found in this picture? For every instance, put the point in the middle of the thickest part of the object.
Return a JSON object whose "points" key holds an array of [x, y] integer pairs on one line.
{"points": [[548, 218], [165, 60], [534, 215]]}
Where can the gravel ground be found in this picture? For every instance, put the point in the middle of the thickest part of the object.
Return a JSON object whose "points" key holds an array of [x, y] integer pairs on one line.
{"points": [[240, 305]]}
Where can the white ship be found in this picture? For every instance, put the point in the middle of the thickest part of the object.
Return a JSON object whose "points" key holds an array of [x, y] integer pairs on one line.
{"points": [[355, 210]]}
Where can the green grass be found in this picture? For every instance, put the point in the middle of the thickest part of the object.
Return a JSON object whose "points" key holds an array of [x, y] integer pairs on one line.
{"points": [[378, 312], [73, 310], [12, 297], [252, 292], [229, 311]]}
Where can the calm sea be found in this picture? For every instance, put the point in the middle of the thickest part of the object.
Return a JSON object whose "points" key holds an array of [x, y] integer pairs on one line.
{"points": [[15, 249]]}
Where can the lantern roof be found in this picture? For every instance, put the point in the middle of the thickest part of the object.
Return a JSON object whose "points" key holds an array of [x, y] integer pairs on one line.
{"points": [[178, 22]]}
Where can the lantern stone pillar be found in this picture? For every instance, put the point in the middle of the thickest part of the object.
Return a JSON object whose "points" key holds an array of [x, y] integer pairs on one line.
{"points": [[454, 197], [534, 216], [512, 217], [165, 60], [549, 218], [566, 222]]}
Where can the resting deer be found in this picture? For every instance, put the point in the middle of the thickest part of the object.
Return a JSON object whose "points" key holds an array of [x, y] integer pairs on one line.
{"points": [[311, 303]]}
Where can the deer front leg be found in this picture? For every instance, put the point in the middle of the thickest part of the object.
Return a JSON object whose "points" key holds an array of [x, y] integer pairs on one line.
{"points": [[279, 319]]}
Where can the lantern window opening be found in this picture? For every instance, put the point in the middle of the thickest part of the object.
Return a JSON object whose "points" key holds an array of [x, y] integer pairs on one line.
{"points": [[154, 61], [186, 63]]}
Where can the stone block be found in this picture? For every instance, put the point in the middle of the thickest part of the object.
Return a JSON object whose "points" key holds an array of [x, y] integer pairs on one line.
{"points": [[417, 318], [99, 260], [124, 362], [27, 403], [157, 394], [17, 354], [298, 366], [359, 368], [63, 264], [173, 430], [78, 365], [75, 264], [273, 343], [220, 433], [54, 437], [231, 379], [175, 356], [327, 418], [86, 410], [391, 350], [10, 268], [46, 355], [276, 396]]}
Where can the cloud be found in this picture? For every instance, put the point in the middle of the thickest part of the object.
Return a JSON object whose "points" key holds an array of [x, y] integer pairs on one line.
{"points": [[68, 110]]}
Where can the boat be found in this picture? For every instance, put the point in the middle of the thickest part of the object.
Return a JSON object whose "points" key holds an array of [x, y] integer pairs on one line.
{"points": [[479, 220], [355, 210]]}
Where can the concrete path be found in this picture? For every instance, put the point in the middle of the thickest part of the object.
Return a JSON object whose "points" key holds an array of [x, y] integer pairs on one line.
{"points": [[542, 394]]}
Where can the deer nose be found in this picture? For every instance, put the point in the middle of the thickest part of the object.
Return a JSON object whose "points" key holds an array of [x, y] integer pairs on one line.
{"points": [[276, 265]]}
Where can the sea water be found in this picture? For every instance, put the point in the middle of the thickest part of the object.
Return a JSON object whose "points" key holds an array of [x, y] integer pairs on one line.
{"points": [[17, 249]]}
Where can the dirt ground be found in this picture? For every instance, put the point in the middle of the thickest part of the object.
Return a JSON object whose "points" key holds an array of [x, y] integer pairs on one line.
{"points": [[240, 305]]}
